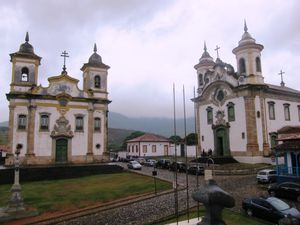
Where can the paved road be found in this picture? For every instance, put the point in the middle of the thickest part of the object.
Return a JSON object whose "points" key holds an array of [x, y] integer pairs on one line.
{"points": [[152, 209]]}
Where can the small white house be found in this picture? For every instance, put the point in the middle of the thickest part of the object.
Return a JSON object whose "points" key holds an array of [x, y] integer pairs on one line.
{"points": [[149, 145]]}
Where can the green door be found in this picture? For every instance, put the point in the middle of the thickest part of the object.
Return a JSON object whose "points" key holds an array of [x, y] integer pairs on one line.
{"points": [[61, 150], [222, 142]]}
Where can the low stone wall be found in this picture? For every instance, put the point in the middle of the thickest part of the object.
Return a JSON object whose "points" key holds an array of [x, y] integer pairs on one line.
{"points": [[57, 172]]}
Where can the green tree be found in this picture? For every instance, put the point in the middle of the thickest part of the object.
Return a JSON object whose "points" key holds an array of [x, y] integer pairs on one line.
{"points": [[134, 134], [175, 139], [191, 139]]}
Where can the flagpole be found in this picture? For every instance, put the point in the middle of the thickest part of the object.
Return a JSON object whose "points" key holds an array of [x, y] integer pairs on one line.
{"points": [[197, 176], [186, 160], [175, 172]]}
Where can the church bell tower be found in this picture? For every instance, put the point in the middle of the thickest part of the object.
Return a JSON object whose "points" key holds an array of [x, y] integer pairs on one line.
{"points": [[248, 56], [25, 65], [95, 74]]}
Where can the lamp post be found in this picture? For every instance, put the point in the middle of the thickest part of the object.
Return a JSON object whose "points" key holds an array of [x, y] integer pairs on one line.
{"points": [[15, 203]]}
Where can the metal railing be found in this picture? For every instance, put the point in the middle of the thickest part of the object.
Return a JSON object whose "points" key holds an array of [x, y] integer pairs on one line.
{"points": [[288, 171]]}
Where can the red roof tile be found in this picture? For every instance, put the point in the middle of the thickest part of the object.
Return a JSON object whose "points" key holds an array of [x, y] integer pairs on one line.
{"points": [[149, 138]]}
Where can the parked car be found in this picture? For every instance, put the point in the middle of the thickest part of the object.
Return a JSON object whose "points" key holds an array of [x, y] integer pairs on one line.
{"points": [[181, 167], [266, 176], [196, 169], [141, 160], [289, 190], [134, 165], [150, 162], [163, 163], [271, 209]]}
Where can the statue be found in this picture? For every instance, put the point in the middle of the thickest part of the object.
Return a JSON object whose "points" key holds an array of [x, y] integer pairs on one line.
{"points": [[214, 200]]}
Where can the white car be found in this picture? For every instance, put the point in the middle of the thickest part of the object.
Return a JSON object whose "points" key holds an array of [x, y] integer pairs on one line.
{"points": [[266, 176], [134, 165]]}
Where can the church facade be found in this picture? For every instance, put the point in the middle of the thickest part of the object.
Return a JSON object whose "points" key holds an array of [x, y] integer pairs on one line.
{"points": [[238, 114], [60, 123]]}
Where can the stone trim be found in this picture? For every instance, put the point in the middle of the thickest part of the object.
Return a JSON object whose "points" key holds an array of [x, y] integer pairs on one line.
{"points": [[10, 129], [30, 133], [53, 152], [90, 134], [251, 129], [266, 147]]}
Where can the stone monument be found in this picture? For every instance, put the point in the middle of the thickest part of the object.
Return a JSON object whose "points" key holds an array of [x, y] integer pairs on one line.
{"points": [[15, 208], [214, 200]]}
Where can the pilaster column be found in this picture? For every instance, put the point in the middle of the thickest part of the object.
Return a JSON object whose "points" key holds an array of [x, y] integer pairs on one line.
{"points": [[105, 143], [30, 132], [252, 145], [90, 133], [10, 155], [197, 127], [266, 147]]}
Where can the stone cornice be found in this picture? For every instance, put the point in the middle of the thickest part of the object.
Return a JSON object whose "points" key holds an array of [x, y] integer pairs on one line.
{"points": [[22, 95]]}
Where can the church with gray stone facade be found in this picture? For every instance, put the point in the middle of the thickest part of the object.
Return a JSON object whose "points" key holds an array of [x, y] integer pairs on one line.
{"points": [[59, 123], [238, 114]]}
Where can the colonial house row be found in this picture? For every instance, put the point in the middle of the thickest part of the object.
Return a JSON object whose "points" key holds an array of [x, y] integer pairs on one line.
{"points": [[238, 114], [60, 123], [152, 145]]}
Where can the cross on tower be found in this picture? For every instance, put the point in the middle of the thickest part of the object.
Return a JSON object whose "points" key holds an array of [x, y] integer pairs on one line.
{"points": [[217, 49], [281, 73], [65, 55]]}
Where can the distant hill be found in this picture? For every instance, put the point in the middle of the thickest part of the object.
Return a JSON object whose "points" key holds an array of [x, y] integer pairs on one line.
{"points": [[162, 126], [116, 137], [121, 126], [4, 124]]}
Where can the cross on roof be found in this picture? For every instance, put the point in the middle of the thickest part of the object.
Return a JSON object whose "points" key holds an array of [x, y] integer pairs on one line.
{"points": [[65, 55], [281, 73], [217, 49]]}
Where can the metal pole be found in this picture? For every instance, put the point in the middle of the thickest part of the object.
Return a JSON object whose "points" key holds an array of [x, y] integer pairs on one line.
{"points": [[175, 173], [197, 175], [186, 161]]}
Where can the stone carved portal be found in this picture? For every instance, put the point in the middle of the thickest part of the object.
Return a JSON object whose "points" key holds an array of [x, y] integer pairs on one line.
{"points": [[221, 135], [61, 141]]}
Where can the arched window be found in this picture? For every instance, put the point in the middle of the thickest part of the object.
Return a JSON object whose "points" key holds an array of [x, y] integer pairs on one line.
{"points": [[286, 108], [200, 79], [44, 122], [25, 74], [97, 124], [22, 121], [230, 111], [258, 64], [79, 122], [97, 81], [273, 139], [242, 66], [209, 115], [271, 110]]}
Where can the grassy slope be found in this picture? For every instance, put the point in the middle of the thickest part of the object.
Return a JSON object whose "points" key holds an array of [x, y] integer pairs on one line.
{"points": [[80, 192]]}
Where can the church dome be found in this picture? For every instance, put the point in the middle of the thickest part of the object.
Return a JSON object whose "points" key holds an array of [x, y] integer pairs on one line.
{"points": [[246, 38], [95, 58], [26, 47], [205, 56]]}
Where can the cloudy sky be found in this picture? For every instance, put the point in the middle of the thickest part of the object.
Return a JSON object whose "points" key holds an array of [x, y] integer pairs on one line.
{"points": [[149, 44]]}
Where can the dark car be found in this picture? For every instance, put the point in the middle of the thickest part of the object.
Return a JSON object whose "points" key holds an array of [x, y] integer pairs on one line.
{"points": [[163, 163], [150, 162], [196, 169], [271, 209], [289, 190], [181, 167]]}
